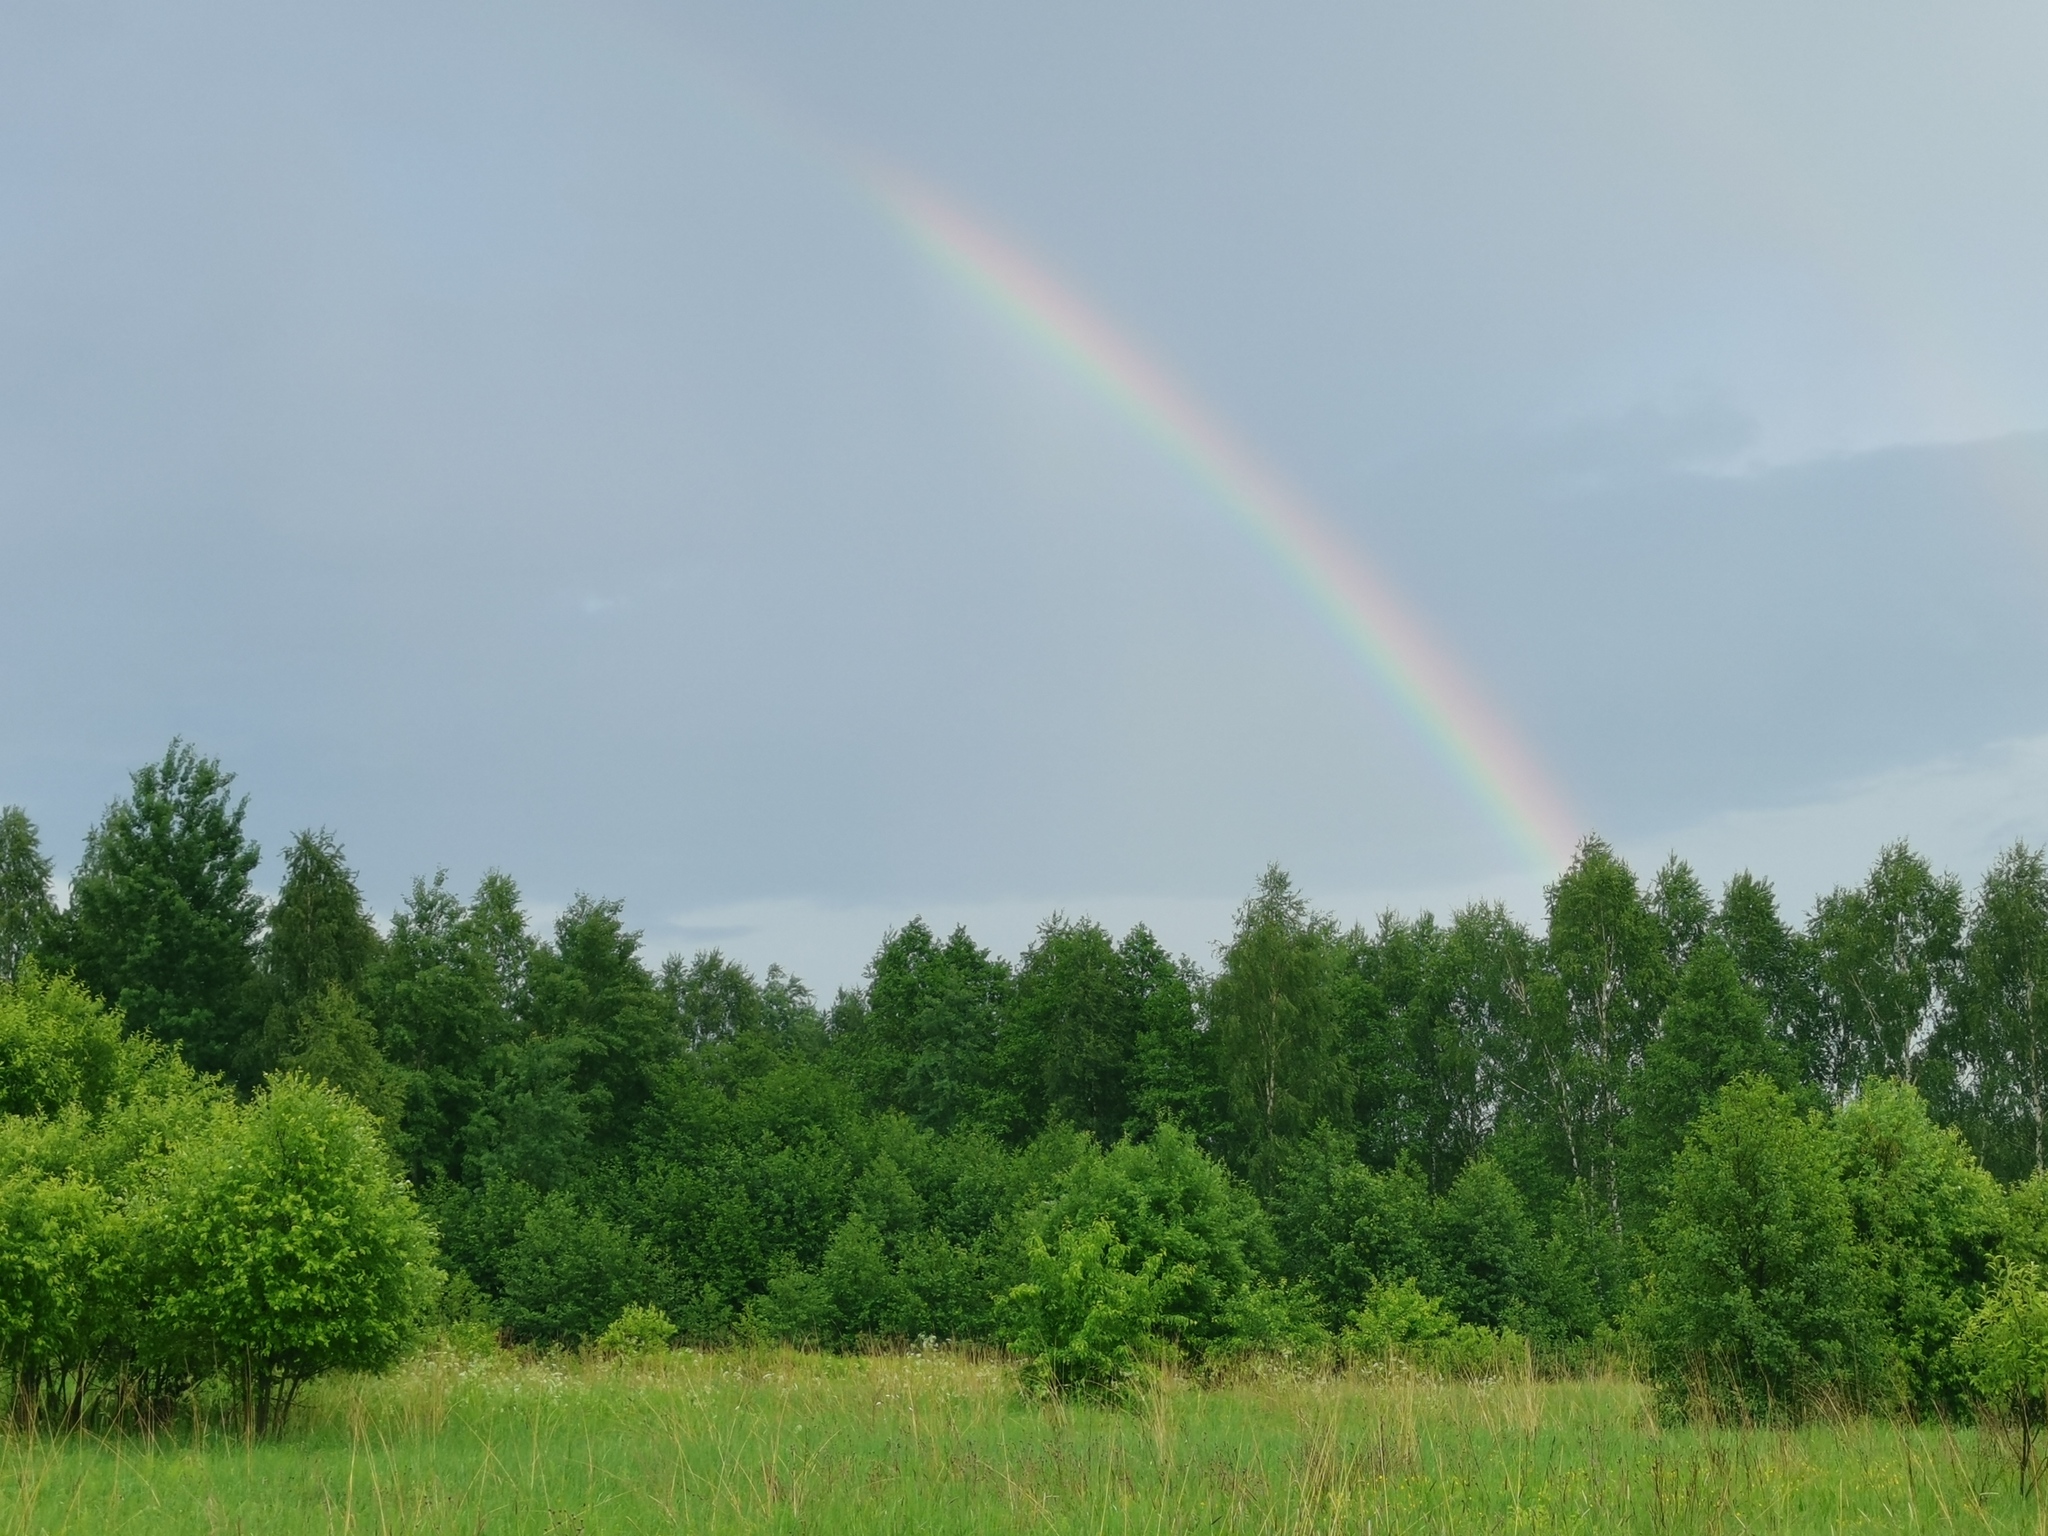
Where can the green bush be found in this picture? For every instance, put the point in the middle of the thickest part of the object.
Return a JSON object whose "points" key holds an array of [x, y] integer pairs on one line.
{"points": [[2004, 1349], [286, 1245], [1927, 1219], [1083, 1320], [638, 1330], [1401, 1322], [1177, 1214], [1756, 1300], [571, 1271]]}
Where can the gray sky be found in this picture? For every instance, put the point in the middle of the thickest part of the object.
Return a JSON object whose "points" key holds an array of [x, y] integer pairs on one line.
{"points": [[508, 436]]}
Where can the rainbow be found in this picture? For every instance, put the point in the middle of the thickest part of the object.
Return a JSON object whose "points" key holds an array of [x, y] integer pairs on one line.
{"points": [[1478, 747]]}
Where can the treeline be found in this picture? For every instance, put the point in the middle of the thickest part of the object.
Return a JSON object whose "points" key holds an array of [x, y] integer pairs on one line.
{"points": [[1779, 1158]]}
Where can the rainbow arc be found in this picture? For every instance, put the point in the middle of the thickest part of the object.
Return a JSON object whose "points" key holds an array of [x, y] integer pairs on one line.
{"points": [[1481, 749]]}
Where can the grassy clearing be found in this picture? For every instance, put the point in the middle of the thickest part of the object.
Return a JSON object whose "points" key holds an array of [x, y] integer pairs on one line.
{"points": [[777, 1441]]}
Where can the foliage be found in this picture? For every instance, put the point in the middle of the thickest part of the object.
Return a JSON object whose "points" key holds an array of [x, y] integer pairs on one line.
{"points": [[1399, 1321], [1756, 1301], [2004, 1348], [286, 1246], [1176, 1214], [638, 1330], [28, 916], [1082, 1320], [1927, 1220], [163, 921], [1278, 1053]]}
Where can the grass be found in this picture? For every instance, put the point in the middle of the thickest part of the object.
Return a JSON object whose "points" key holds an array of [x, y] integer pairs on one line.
{"points": [[778, 1441]]}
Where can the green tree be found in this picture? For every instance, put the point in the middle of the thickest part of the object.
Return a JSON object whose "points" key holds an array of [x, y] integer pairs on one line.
{"points": [[318, 943], [1083, 1319], [1928, 1220], [1715, 1030], [1777, 964], [2004, 1024], [1567, 1072], [1272, 1010], [1343, 1226], [2005, 1349], [1172, 1205], [27, 914], [1173, 1077], [592, 995], [1888, 960], [927, 1041], [1681, 905], [1071, 1030], [332, 1041], [163, 921], [571, 1271], [1756, 1299], [289, 1246], [714, 999]]}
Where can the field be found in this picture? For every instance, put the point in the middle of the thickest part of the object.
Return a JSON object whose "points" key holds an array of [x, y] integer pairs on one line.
{"points": [[778, 1441]]}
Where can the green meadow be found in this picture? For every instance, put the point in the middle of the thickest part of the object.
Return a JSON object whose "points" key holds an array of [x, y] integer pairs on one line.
{"points": [[774, 1440]]}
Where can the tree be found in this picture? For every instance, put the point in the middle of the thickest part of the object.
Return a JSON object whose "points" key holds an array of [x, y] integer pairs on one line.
{"points": [[27, 914], [1592, 1012], [1756, 1300], [1084, 1317], [1928, 1219], [333, 1042], [2005, 1348], [289, 1246], [592, 995], [927, 1043], [1071, 1030], [1715, 1030], [319, 931], [1681, 905], [1888, 958], [1176, 1209], [2004, 1034], [1173, 1077], [1776, 962], [1278, 1052], [163, 921], [714, 999], [318, 946]]}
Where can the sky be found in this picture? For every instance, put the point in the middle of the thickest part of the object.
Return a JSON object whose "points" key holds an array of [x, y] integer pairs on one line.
{"points": [[792, 468]]}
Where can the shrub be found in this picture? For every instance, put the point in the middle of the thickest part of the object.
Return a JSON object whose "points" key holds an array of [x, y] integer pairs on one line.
{"points": [[570, 1272], [2004, 1348], [1400, 1321], [1756, 1300], [289, 1246], [1083, 1319], [1172, 1207], [1927, 1217], [638, 1330]]}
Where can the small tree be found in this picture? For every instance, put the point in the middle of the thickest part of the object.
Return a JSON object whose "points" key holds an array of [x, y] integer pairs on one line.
{"points": [[1756, 1295], [1082, 1319], [27, 915], [291, 1246], [2004, 1346]]}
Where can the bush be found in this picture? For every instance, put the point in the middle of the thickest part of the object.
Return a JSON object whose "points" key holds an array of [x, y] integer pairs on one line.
{"points": [[1401, 1322], [288, 1246], [1083, 1320], [637, 1331], [1177, 1214], [1756, 1300], [2004, 1348], [570, 1272], [1927, 1218]]}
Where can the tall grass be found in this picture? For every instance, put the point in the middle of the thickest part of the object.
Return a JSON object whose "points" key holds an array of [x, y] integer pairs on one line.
{"points": [[778, 1441]]}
